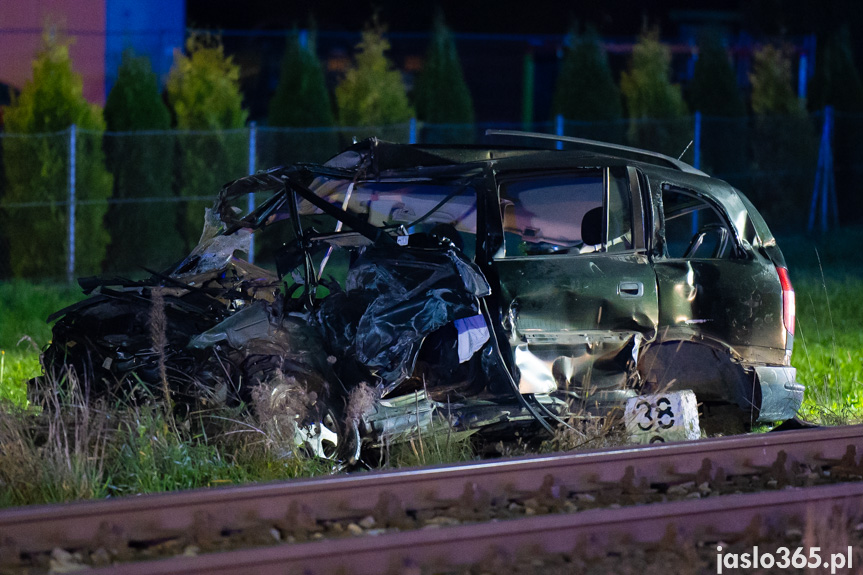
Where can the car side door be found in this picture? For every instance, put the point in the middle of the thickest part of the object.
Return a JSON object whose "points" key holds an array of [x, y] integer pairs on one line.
{"points": [[577, 292]]}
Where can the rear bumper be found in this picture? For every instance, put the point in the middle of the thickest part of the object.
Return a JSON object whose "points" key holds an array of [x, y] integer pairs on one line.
{"points": [[781, 395]]}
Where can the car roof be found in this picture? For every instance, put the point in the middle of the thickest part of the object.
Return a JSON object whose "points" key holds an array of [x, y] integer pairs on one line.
{"points": [[529, 150], [397, 158]]}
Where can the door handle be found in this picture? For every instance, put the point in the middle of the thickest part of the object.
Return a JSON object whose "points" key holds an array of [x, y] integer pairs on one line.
{"points": [[630, 289]]}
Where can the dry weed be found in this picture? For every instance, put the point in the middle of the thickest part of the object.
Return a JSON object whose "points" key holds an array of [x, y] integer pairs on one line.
{"points": [[361, 399], [58, 452], [158, 336], [281, 404], [585, 431]]}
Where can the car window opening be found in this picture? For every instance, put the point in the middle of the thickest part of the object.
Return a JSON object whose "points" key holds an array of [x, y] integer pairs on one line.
{"points": [[694, 229]]}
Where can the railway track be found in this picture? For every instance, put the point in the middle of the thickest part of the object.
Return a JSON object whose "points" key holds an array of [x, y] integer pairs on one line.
{"points": [[547, 503]]}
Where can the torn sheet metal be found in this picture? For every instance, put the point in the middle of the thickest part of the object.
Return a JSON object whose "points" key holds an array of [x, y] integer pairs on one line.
{"points": [[394, 298], [214, 250], [251, 322], [581, 364]]}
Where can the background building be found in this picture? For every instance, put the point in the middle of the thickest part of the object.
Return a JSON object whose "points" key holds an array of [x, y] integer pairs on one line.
{"points": [[101, 30]]}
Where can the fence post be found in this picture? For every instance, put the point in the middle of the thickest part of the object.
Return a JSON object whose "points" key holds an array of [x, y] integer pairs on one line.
{"points": [[412, 133], [802, 76], [70, 261], [696, 145], [825, 184], [696, 161], [558, 129], [253, 152]]}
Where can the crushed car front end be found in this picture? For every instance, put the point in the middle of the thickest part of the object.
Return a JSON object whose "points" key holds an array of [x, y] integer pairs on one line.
{"points": [[486, 289]]}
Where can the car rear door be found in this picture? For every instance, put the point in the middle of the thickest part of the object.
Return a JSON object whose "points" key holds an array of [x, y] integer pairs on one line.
{"points": [[577, 292]]}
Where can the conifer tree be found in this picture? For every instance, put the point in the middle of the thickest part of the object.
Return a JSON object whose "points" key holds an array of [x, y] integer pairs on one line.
{"points": [[441, 95], [658, 117], [204, 92], [37, 170], [372, 93], [772, 92], [836, 81], [784, 147], [585, 89], [714, 92], [585, 92], [301, 100], [301, 97], [141, 233]]}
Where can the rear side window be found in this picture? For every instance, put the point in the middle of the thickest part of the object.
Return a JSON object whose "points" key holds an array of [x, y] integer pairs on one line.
{"points": [[694, 229], [565, 214]]}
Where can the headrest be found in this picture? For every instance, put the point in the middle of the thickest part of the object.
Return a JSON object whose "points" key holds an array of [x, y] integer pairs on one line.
{"points": [[591, 226]]}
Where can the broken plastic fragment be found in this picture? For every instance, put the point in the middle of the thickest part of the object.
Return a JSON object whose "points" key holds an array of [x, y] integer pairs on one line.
{"points": [[214, 251], [247, 324], [472, 335]]}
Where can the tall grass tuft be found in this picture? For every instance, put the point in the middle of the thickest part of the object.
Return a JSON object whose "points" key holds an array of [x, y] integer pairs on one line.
{"points": [[829, 348], [56, 453], [435, 446], [64, 447]]}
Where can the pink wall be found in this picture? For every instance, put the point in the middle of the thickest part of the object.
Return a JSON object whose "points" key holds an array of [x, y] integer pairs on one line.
{"points": [[82, 20]]}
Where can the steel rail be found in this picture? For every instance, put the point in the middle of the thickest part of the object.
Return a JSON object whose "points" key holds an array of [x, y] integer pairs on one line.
{"points": [[74, 525], [590, 530]]}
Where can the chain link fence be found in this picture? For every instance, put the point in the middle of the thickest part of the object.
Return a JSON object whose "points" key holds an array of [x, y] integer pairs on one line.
{"points": [[158, 183]]}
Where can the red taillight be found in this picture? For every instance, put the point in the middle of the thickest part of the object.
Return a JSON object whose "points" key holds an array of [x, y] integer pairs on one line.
{"points": [[789, 309]]}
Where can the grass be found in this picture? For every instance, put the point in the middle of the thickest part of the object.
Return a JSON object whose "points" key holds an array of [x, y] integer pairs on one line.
{"points": [[429, 448], [72, 449], [828, 348], [24, 307], [76, 450], [827, 273]]}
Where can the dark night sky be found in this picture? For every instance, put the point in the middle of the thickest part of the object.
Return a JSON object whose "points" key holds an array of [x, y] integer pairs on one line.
{"points": [[543, 16], [494, 68], [611, 17]]}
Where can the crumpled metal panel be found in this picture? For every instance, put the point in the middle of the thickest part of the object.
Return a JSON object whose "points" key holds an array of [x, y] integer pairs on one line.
{"points": [[595, 361], [214, 250], [395, 297], [251, 322], [735, 301]]}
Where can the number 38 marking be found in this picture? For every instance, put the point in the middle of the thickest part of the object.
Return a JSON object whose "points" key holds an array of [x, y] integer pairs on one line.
{"points": [[663, 419]]}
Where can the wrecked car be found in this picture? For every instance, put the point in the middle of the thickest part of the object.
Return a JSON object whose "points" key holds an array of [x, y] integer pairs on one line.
{"points": [[486, 287]]}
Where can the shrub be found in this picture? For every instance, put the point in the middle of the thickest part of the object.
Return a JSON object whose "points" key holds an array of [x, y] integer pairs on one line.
{"points": [[585, 89], [204, 92], [372, 93], [714, 92], [658, 117], [301, 97], [141, 233], [784, 150], [37, 170], [301, 100], [441, 95]]}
